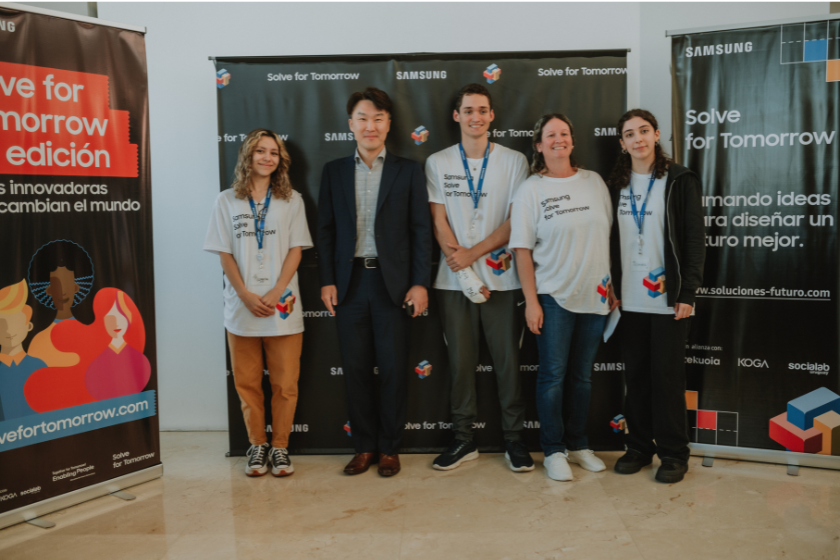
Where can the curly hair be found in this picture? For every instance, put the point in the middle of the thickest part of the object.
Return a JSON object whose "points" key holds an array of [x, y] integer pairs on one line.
{"points": [[52, 255], [620, 176], [281, 186], [538, 160]]}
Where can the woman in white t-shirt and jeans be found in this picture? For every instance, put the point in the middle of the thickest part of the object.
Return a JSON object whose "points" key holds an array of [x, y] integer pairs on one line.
{"points": [[658, 247], [560, 229], [258, 228]]}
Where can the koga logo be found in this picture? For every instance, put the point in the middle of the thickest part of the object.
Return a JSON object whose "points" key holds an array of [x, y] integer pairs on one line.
{"points": [[420, 135], [222, 78], [822, 369], [422, 75], [614, 366], [7, 26], [316, 314], [338, 136], [493, 73], [715, 50], [747, 362], [702, 361], [606, 132]]}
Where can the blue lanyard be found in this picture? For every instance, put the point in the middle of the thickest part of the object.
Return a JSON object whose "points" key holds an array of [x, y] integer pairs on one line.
{"points": [[259, 221], [476, 195], [640, 218]]}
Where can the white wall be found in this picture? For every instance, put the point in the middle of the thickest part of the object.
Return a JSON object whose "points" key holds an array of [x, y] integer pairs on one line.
{"points": [[185, 177]]}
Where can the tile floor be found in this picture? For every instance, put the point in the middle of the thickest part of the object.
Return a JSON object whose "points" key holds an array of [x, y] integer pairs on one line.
{"points": [[206, 508]]}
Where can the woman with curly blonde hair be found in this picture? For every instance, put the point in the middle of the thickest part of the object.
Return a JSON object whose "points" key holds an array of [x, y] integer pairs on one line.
{"points": [[258, 228]]}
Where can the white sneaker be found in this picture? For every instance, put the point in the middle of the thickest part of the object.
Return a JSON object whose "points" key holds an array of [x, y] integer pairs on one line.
{"points": [[587, 459], [557, 467]]}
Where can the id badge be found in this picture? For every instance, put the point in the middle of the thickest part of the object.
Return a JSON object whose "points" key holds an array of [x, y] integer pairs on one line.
{"points": [[259, 281], [640, 264]]}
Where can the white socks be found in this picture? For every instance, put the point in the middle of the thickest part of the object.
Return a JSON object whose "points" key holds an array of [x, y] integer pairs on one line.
{"points": [[471, 284]]}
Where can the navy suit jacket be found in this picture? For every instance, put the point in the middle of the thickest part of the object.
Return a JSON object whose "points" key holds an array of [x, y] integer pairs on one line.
{"points": [[402, 227]]}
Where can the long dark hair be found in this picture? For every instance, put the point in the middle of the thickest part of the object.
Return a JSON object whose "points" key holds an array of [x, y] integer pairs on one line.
{"points": [[620, 176], [538, 160]]}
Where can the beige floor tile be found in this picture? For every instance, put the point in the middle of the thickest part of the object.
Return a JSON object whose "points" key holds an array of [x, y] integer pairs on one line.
{"points": [[58, 545]]}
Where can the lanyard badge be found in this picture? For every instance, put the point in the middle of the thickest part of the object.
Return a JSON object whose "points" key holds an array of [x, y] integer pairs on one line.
{"points": [[475, 194], [259, 223], [637, 216]]}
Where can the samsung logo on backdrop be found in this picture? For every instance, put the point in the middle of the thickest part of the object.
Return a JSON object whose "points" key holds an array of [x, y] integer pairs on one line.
{"points": [[422, 75], [714, 50], [7, 26]]}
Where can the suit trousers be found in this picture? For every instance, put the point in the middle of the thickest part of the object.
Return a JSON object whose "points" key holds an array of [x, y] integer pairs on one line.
{"points": [[653, 348], [372, 331], [283, 356]]}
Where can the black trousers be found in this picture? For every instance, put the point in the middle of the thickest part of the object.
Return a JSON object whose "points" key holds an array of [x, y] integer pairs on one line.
{"points": [[653, 349], [372, 331]]}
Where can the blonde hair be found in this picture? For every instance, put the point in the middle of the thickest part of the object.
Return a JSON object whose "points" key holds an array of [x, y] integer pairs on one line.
{"points": [[122, 306], [281, 186], [13, 300]]}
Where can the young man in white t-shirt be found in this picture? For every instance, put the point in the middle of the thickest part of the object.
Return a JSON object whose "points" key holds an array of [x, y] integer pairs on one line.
{"points": [[471, 187]]}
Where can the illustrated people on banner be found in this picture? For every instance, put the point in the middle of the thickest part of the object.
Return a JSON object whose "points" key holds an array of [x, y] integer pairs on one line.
{"points": [[471, 187], [258, 228], [560, 230], [60, 277], [374, 243], [16, 366], [658, 247], [110, 360]]}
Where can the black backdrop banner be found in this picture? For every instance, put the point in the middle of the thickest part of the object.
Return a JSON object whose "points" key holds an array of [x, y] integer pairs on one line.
{"points": [[78, 378], [304, 98], [756, 113]]}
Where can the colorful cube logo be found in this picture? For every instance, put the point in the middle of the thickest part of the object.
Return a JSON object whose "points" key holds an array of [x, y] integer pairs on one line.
{"points": [[423, 369], [222, 78], [500, 261], [287, 304], [420, 135], [347, 428], [810, 425], [604, 288], [655, 282], [493, 73], [618, 424]]}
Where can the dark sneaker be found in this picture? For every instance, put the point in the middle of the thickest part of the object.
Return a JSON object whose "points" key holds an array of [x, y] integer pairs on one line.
{"points": [[457, 453], [518, 458], [281, 465], [257, 460], [631, 462], [671, 471]]}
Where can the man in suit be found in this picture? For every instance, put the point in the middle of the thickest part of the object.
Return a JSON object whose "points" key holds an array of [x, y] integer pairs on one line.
{"points": [[375, 248]]}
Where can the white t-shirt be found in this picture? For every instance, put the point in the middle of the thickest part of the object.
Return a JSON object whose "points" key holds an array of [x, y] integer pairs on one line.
{"points": [[447, 184], [566, 223], [643, 283], [232, 230]]}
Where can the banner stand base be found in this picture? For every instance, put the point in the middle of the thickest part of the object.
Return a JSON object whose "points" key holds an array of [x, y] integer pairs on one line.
{"points": [[123, 495], [32, 513], [708, 461], [790, 458]]}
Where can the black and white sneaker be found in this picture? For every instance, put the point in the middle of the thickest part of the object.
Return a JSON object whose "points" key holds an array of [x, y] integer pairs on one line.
{"points": [[281, 465], [518, 458], [257, 460], [457, 453]]}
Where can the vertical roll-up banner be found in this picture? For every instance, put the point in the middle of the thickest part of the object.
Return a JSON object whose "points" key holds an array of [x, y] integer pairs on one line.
{"points": [[78, 382], [757, 114], [304, 100]]}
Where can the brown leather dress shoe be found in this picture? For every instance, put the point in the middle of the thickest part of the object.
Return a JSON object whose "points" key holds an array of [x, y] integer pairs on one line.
{"points": [[389, 465], [360, 463]]}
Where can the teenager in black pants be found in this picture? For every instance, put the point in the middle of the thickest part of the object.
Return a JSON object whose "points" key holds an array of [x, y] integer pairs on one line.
{"points": [[658, 248]]}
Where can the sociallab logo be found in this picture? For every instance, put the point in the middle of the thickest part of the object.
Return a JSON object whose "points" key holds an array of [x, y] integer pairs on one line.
{"points": [[500, 261], [222, 78], [604, 288], [493, 73], [287, 304], [423, 369], [420, 135], [347, 428], [655, 282]]}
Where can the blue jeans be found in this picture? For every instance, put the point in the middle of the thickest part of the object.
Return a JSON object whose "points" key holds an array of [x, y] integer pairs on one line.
{"points": [[568, 344]]}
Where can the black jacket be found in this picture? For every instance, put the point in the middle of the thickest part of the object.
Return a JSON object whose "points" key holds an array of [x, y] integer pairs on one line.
{"points": [[402, 227], [685, 237]]}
